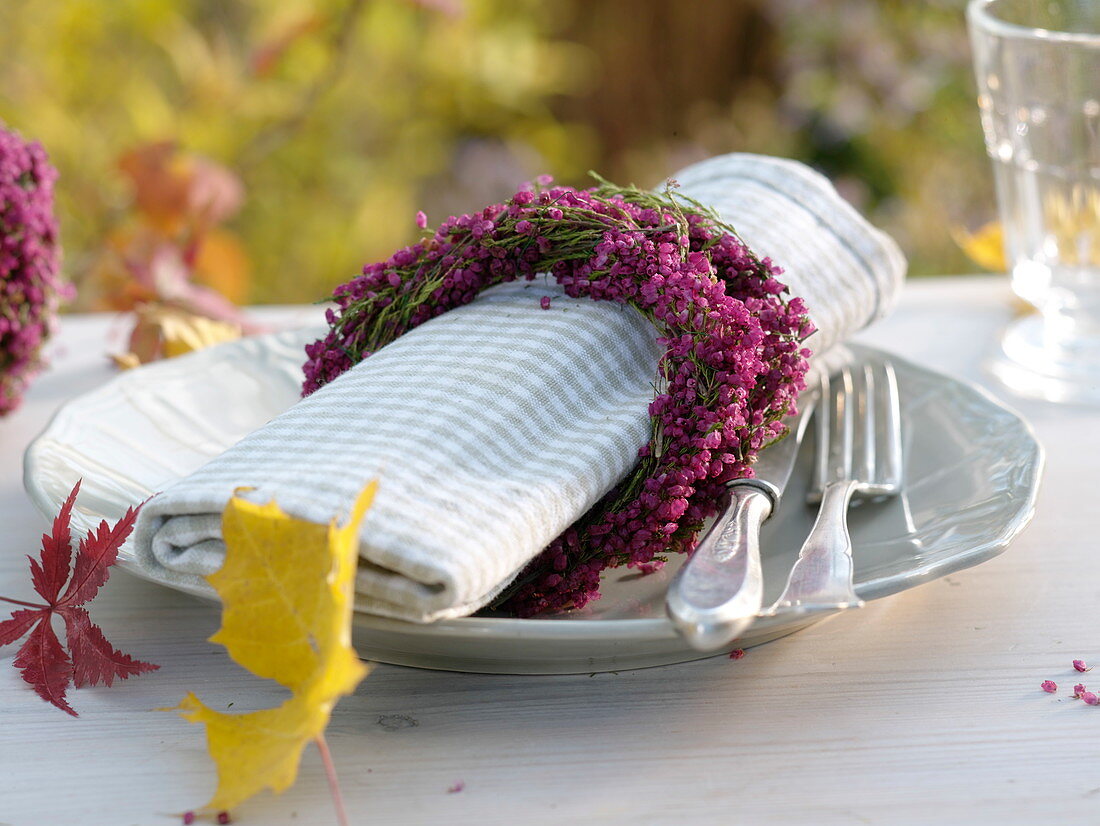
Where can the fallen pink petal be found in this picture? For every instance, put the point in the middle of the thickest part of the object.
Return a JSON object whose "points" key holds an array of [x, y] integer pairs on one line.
{"points": [[1090, 698], [457, 787], [737, 653], [1078, 690], [1049, 686], [1080, 665]]}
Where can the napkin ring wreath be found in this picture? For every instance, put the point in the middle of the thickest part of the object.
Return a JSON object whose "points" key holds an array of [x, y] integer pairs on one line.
{"points": [[733, 363], [30, 263]]}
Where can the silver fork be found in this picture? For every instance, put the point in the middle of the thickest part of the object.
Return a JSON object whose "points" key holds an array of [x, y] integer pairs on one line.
{"points": [[859, 456]]}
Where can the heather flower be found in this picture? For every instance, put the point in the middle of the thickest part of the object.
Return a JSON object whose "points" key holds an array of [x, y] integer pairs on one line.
{"points": [[1079, 665], [30, 287], [1090, 698], [1049, 686], [733, 363], [1078, 690]]}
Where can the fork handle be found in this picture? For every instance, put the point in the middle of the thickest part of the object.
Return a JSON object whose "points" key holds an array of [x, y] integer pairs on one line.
{"points": [[821, 579], [718, 592]]}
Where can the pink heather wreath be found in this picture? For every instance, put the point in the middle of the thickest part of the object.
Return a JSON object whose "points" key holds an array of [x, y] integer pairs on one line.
{"points": [[733, 366], [30, 284]]}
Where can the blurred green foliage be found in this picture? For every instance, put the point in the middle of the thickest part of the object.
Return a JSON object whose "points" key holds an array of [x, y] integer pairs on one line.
{"points": [[343, 117]]}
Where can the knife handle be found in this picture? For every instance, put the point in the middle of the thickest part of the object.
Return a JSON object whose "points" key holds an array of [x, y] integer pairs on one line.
{"points": [[718, 592]]}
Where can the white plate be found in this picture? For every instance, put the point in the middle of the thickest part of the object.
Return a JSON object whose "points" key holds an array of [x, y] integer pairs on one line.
{"points": [[971, 477]]}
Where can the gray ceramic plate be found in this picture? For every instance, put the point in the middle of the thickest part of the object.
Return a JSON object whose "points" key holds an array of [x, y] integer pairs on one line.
{"points": [[972, 473]]}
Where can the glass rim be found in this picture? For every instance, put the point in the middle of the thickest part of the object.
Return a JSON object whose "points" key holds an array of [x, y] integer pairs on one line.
{"points": [[978, 13]]}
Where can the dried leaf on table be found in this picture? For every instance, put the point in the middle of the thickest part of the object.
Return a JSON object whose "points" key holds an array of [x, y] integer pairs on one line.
{"points": [[166, 332], [91, 659], [286, 590]]}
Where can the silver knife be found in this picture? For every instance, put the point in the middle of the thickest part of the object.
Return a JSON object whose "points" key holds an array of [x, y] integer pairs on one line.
{"points": [[718, 592]]}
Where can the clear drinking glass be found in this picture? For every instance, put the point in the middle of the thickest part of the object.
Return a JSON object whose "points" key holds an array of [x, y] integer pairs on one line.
{"points": [[1038, 69]]}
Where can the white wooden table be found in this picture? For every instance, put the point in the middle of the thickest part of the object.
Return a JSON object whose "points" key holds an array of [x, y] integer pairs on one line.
{"points": [[923, 707]]}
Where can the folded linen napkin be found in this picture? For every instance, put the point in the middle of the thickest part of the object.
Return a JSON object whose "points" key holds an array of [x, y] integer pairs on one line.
{"points": [[848, 272], [496, 425]]}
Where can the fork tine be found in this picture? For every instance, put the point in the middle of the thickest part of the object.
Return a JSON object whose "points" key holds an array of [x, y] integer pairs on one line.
{"points": [[842, 428], [835, 432], [868, 435], [859, 420], [822, 424], [888, 469], [846, 423]]}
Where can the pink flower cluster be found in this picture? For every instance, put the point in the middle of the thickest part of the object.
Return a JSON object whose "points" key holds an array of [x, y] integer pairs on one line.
{"points": [[29, 260], [732, 369]]}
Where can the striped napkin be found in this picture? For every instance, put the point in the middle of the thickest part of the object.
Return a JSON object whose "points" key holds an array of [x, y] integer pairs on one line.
{"points": [[848, 272], [493, 427]]}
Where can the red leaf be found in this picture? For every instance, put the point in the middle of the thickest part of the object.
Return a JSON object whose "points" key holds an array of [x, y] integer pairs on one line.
{"points": [[90, 660], [95, 660], [45, 665], [57, 551], [20, 622], [98, 551]]}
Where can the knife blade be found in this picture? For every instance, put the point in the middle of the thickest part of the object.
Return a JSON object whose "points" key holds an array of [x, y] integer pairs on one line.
{"points": [[719, 590]]}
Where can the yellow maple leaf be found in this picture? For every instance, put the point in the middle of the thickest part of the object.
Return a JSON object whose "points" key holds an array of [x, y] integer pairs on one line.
{"points": [[985, 246], [286, 590]]}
